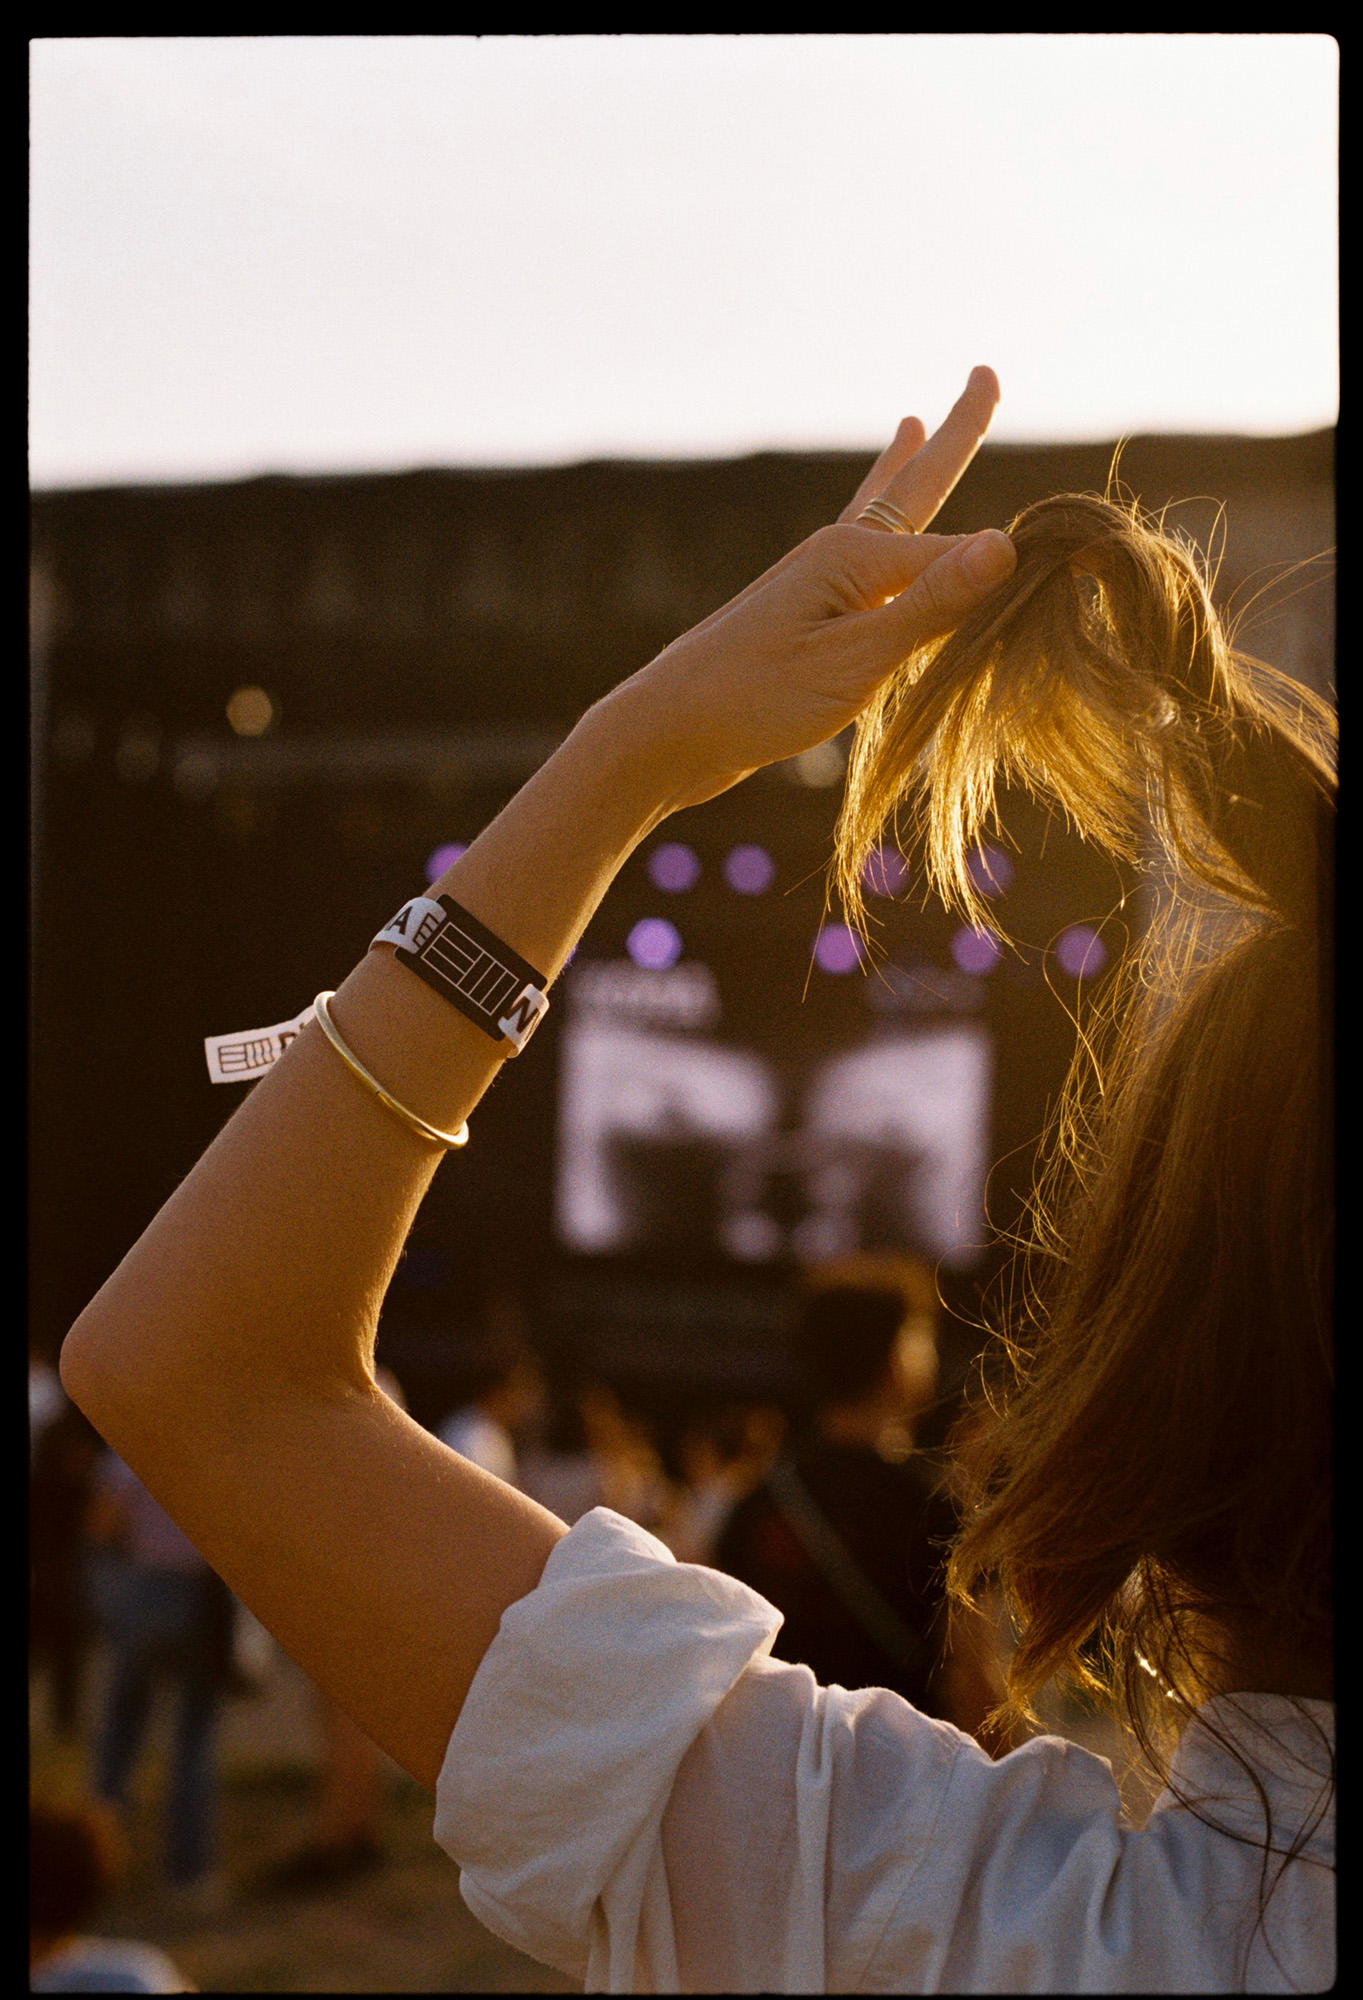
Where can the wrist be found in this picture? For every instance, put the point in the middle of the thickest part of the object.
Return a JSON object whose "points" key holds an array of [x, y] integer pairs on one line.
{"points": [[631, 745], [536, 874], [656, 749]]}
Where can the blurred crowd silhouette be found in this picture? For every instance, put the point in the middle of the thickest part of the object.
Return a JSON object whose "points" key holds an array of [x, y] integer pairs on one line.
{"points": [[827, 1501]]}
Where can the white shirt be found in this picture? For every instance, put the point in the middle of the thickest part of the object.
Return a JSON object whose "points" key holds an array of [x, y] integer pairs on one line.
{"points": [[636, 1794]]}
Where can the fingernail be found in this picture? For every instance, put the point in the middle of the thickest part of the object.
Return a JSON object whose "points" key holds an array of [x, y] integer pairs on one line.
{"points": [[989, 558]]}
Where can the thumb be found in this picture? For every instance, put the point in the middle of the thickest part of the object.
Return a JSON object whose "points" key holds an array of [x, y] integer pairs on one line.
{"points": [[941, 595]]}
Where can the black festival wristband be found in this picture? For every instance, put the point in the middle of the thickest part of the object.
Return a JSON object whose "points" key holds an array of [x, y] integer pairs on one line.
{"points": [[476, 972]]}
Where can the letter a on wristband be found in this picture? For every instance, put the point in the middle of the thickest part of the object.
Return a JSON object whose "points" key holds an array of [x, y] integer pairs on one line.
{"points": [[485, 979]]}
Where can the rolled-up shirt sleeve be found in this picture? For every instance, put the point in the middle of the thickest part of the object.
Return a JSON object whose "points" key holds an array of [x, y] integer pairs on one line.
{"points": [[566, 1751], [637, 1794]]}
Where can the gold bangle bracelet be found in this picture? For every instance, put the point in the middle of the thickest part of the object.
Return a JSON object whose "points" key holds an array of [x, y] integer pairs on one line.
{"points": [[432, 1133]]}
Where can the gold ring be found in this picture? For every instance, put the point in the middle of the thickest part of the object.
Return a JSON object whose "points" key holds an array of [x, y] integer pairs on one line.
{"points": [[884, 514]]}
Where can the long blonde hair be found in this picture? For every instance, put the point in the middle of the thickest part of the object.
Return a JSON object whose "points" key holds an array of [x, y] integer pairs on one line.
{"points": [[1155, 1473]]}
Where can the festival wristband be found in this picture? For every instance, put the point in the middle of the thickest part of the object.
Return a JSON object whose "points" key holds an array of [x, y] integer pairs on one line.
{"points": [[241, 1058], [492, 985]]}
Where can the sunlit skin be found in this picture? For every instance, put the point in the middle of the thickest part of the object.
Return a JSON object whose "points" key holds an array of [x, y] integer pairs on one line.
{"points": [[230, 1358]]}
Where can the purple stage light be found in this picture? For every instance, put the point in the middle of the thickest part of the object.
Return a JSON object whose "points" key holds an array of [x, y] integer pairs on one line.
{"points": [[976, 951], [1081, 952], [991, 871], [674, 867], [836, 949], [654, 944], [749, 871], [884, 871], [443, 858]]}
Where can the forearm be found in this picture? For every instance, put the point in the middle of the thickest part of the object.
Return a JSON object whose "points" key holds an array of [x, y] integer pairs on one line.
{"points": [[269, 1264]]}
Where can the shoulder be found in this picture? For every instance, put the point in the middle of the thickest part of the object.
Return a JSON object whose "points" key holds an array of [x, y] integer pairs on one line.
{"points": [[893, 1853], [1030, 1879], [902, 1858]]}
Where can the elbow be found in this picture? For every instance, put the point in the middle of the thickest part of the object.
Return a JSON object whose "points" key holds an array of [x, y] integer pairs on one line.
{"points": [[83, 1366], [103, 1373]]}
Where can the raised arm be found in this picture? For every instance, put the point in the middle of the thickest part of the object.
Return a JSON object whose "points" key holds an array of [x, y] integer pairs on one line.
{"points": [[229, 1359]]}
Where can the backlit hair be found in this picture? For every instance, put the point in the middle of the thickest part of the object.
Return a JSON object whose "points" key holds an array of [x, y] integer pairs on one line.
{"points": [[1152, 1486]]}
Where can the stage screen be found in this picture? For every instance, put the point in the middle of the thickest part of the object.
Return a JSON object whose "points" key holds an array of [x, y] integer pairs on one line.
{"points": [[679, 1133]]}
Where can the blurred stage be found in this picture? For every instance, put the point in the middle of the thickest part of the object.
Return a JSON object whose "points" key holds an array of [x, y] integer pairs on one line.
{"points": [[260, 710]]}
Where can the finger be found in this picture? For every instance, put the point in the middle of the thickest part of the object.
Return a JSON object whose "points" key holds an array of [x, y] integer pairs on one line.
{"points": [[907, 440], [924, 482], [868, 567], [940, 596]]}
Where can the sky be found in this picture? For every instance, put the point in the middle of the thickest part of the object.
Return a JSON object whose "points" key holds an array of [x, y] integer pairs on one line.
{"points": [[336, 253]]}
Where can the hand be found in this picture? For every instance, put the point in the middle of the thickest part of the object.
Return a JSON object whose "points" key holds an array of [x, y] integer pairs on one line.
{"points": [[799, 653]]}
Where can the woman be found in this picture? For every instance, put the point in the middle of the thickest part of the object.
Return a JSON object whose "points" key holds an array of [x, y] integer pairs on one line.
{"points": [[633, 1790]]}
